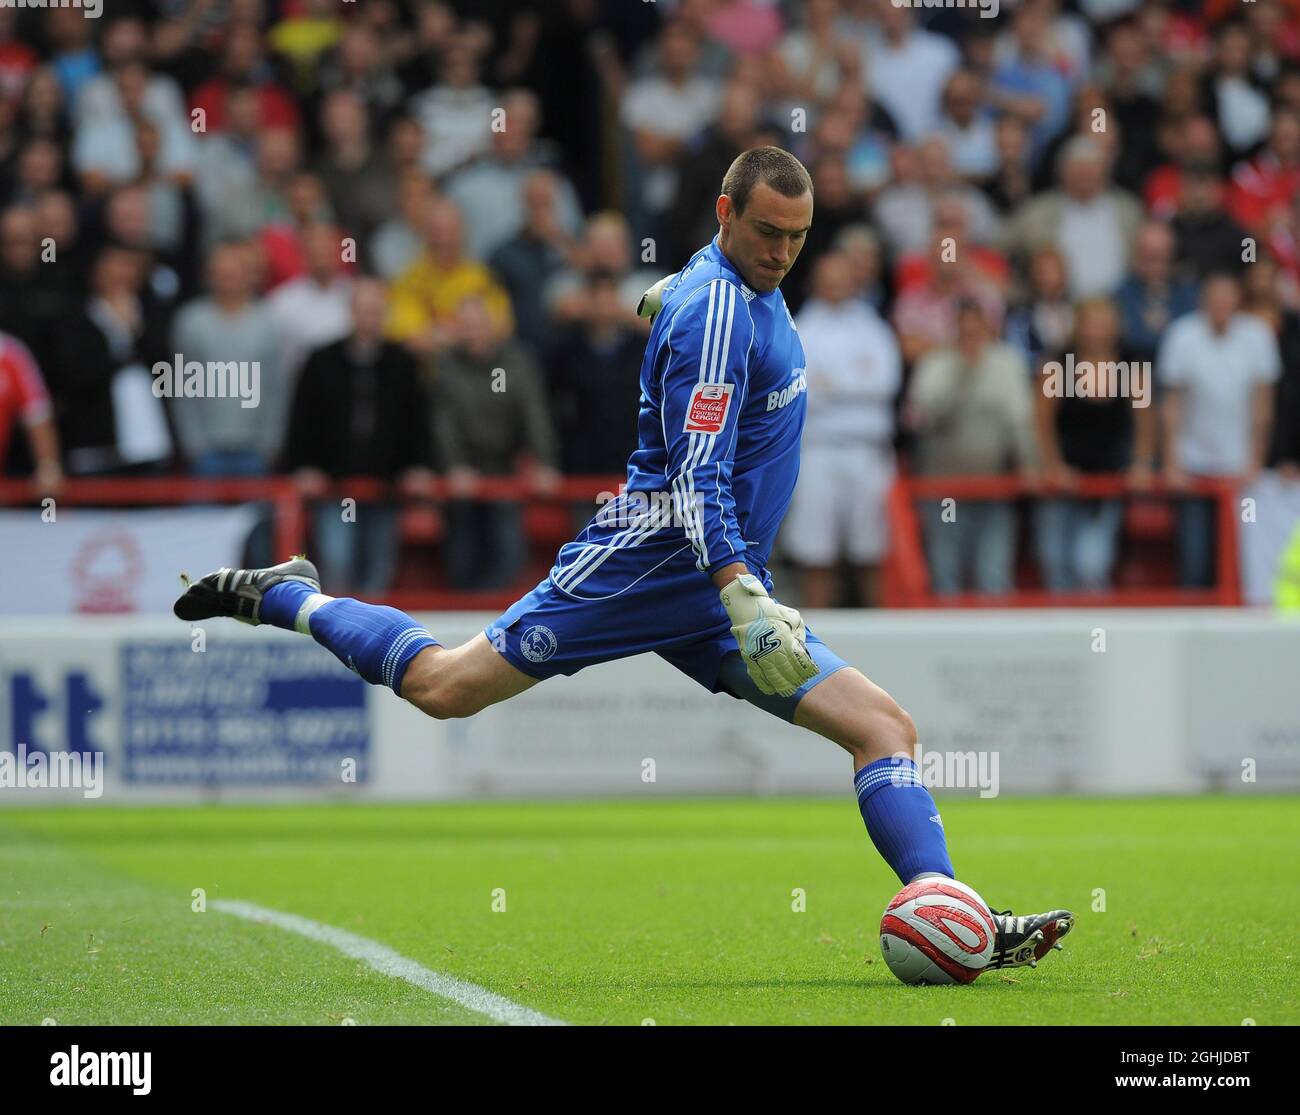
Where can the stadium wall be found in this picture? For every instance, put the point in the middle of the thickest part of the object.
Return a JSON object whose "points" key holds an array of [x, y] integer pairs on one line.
{"points": [[1123, 702]]}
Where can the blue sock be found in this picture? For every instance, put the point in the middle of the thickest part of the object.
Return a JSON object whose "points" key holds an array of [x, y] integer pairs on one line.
{"points": [[902, 819], [280, 604], [372, 640]]}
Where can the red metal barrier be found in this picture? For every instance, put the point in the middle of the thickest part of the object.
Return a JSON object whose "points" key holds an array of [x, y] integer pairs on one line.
{"points": [[905, 574], [288, 510], [906, 580]]}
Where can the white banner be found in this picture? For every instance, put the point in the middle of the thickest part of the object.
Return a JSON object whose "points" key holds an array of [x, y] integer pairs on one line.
{"points": [[112, 562]]}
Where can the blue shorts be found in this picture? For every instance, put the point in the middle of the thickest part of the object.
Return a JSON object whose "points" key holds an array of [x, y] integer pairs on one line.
{"points": [[601, 603]]}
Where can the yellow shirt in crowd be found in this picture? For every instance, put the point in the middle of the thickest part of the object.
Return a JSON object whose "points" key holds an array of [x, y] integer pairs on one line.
{"points": [[426, 293]]}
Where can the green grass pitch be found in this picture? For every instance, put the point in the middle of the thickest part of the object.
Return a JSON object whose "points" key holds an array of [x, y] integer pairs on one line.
{"points": [[679, 911]]}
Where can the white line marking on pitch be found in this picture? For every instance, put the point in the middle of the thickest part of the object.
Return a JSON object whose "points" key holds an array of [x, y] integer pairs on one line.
{"points": [[383, 959]]}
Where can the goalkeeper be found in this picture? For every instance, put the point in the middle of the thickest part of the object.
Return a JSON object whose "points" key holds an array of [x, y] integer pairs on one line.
{"points": [[677, 564]]}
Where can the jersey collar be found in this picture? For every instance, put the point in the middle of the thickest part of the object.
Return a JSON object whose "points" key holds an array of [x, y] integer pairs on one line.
{"points": [[748, 292]]}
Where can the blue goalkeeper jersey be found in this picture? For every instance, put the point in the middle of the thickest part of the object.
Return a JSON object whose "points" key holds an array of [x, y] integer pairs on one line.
{"points": [[723, 397], [723, 402]]}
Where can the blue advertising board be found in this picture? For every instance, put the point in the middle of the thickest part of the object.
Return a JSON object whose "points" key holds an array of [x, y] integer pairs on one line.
{"points": [[280, 712]]}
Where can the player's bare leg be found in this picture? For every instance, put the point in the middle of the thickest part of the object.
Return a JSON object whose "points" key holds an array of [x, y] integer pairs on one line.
{"points": [[855, 713], [452, 682], [851, 710], [381, 644]]}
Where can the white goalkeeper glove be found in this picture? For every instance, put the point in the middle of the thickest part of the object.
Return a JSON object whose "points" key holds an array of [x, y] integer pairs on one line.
{"points": [[652, 301], [770, 635]]}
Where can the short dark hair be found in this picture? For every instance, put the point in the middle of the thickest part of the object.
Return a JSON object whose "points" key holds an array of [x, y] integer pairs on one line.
{"points": [[771, 165]]}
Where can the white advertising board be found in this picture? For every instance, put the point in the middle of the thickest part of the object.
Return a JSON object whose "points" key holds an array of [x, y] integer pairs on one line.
{"points": [[1070, 701]]}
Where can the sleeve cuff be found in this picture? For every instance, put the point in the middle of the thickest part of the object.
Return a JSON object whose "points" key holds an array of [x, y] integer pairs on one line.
{"points": [[730, 559]]}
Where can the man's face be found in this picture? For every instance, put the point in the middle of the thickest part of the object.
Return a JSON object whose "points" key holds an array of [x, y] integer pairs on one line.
{"points": [[1154, 253], [369, 309], [344, 117], [539, 198], [323, 252], [228, 272], [277, 152], [764, 241], [604, 304], [116, 270], [833, 278], [971, 330], [962, 98], [1083, 177], [475, 328], [1221, 300], [128, 215], [19, 239], [1286, 138], [443, 230], [1200, 192]]}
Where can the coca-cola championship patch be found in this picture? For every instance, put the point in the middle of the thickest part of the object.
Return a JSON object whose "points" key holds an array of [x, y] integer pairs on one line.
{"points": [[707, 412]]}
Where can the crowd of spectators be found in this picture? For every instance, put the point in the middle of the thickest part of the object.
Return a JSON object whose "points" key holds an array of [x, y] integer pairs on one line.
{"points": [[427, 223]]}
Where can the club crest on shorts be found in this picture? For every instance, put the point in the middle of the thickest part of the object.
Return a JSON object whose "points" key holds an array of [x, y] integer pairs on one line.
{"points": [[707, 411], [537, 644]]}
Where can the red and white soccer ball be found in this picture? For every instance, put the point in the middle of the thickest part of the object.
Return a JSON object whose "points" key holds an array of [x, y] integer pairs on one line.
{"points": [[936, 931]]}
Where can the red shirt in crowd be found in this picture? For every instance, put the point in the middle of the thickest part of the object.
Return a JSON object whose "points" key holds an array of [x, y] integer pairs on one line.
{"points": [[275, 108], [22, 391], [1260, 191]]}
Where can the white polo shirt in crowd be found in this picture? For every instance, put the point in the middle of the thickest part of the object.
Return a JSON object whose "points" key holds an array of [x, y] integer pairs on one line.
{"points": [[908, 77], [1091, 237], [672, 111], [310, 316], [1218, 373], [854, 372], [847, 460]]}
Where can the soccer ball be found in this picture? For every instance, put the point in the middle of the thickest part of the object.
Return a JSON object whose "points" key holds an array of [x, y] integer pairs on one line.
{"points": [[936, 931]]}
